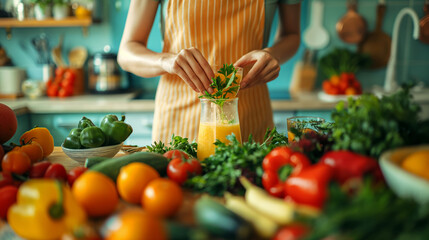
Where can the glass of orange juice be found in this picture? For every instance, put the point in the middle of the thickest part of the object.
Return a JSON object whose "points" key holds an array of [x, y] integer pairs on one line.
{"points": [[299, 125], [219, 118]]}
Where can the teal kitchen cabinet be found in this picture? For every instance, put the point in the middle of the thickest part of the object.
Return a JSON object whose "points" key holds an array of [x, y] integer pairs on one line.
{"points": [[280, 120], [142, 123]]}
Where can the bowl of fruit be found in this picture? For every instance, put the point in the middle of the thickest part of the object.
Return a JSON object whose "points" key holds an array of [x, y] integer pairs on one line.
{"points": [[406, 171]]}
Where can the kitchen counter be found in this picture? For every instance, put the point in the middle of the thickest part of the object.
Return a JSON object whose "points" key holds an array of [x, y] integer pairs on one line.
{"points": [[128, 103]]}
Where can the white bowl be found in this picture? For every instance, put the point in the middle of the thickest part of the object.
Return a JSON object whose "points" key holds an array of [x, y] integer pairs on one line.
{"points": [[80, 155], [402, 182]]}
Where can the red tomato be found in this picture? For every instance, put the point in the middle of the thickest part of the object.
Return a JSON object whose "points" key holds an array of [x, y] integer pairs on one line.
{"points": [[291, 232], [329, 88], [16, 162], [68, 83], [56, 171], [38, 170], [65, 92], [7, 199], [59, 72], [74, 174], [8, 123], [179, 170], [176, 154], [5, 179], [52, 91], [70, 75]]}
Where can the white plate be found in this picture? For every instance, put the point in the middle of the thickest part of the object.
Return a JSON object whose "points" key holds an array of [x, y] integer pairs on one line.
{"points": [[335, 98], [80, 155]]}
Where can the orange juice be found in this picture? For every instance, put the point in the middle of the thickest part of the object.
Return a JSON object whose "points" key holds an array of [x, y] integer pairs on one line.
{"points": [[209, 132]]}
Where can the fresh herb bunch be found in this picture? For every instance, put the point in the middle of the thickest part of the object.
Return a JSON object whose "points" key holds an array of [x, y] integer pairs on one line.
{"points": [[177, 142], [342, 60], [223, 87], [230, 161], [313, 143], [369, 125], [372, 213]]}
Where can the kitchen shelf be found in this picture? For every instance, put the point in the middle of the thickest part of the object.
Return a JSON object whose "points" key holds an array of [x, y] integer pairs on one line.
{"points": [[9, 23]]}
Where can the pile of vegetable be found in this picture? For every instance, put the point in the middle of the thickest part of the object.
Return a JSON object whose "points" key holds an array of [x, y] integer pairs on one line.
{"points": [[111, 131], [340, 67]]}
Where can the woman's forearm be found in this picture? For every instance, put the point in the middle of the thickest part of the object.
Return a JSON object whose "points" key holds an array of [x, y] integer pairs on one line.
{"points": [[136, 58], [285, 47]]}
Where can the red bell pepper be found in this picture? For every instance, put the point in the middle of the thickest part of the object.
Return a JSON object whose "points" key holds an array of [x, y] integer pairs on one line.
{"points": [[310, 186], [347, 165], [278, 165]]}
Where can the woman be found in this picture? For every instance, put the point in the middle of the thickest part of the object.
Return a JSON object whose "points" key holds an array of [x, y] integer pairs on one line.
{"points": [[200, 34]]}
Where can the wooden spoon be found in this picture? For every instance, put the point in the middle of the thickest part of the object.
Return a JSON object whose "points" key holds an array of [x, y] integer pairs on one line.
{"points": [[352, 27], [77, 57], [377, 44], [424, 24], [56, 53]]}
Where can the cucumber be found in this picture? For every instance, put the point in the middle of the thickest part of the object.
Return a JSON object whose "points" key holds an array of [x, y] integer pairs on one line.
{"points": [[110, 167], [179, 231], [219, 221], [89, 162]]}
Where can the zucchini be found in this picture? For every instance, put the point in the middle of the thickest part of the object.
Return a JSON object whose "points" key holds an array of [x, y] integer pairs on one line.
{"points": [[219, 221], [89, 162], [110, 167]]}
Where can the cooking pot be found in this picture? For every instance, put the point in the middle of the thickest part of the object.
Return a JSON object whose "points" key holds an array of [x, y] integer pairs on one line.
{"points": [[11, 79], [104, 73]]}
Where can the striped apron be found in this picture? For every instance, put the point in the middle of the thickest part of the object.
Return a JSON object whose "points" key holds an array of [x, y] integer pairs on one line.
{"points": [[223, 30]]}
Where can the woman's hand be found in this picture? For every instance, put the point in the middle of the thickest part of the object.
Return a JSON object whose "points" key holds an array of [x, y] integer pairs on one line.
{"points": [[190, 65], [265, 68]]}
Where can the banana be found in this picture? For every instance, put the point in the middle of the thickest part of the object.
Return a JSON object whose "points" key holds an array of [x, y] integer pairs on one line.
{"points": [[264, 226], [280, 211]]}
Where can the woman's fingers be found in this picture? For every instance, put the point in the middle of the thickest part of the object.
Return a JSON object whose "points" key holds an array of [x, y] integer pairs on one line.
{"points": [[195, 67]]}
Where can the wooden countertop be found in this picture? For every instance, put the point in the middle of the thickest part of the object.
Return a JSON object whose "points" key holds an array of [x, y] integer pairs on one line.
{"points": [[184, 215]]}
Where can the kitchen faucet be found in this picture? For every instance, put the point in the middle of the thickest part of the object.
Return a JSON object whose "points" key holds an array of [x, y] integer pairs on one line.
{"points": [[390, 84]]}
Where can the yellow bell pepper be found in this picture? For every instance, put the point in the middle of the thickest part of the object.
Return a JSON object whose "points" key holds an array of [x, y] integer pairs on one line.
{"points": [[45, 209]]}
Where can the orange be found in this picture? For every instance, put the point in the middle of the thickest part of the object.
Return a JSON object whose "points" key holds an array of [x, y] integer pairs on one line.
{"points": [[42, 136], [418, 163], [135, 223], [96, 193], [132, 180], [162, 197], [32, 149]]}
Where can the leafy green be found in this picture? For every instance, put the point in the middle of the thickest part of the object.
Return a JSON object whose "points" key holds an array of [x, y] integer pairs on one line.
{"points": [[177, 142], [373, 212], [223, 88], [342, 60], [369, 125], [230, 161]]}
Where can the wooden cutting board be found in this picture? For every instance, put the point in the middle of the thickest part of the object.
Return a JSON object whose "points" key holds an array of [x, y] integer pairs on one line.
{"points": [[185, 214]]}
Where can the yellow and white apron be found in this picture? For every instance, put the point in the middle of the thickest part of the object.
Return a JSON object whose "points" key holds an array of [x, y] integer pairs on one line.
{"points": [[223, 30]]}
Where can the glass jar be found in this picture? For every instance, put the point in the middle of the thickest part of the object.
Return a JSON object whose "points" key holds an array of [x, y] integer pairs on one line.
{"points": [[219, 118]]}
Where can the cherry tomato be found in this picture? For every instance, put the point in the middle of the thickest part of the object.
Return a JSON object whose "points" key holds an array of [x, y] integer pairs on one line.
{"points": [[7, 199], [65, 92], [38, 170], [179, 170], [56, 171], [291, 232], [70, 75], [59, 72], [74, 174], [176, 154], [5, 179], [16, 162], [53, 90], [68, 82]]}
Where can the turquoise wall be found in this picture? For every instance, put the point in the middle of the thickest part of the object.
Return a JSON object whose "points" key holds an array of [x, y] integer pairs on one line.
{"points": [[413, 56]]}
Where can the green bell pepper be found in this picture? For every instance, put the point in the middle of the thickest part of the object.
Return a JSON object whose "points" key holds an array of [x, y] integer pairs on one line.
{"points": [[92, 137], [85, 122], [116, 130], [73, 139]]}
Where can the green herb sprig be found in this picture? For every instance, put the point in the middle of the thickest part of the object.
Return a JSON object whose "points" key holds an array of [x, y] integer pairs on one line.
{"points": [[176, 142], [223, 87]]}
